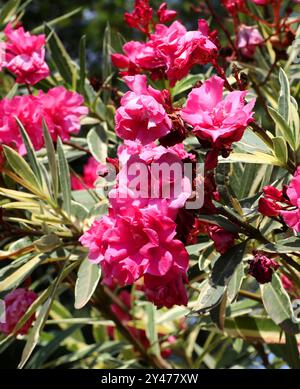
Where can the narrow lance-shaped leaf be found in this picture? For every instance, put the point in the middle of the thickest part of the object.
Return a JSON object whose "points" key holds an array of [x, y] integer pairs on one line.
{"points": [[285, 96], [61, 58], [51, 159], [20, 166], [30, 151], [64, 177]]}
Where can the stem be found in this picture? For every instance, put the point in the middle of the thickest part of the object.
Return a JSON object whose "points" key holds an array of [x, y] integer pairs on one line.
{"points": [[219, 22]]}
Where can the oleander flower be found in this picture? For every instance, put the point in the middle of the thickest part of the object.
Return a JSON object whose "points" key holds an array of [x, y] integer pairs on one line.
{"points": [[170, 52], [128, 246], [28, 109], [168, 290], [164, 14], [141, 116], [161, 179], [16, 305], [60, 108], [141, 17], [262, 267], [249, 38], [214, 119], [62, 111], [292, 217], [234, 6], [90, 175], [25, 55]]}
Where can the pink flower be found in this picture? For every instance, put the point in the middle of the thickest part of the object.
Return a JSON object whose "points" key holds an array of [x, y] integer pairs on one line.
{"points": [[168, 191], [223, 239], [25, 55], [62, 110], [134, 244], [292, 217], [29, 111], [248, 40], [179, 49], [170, 52], [262, 267], [90, 175], [234, 6], [141, 116], [219, 121], [168, 290], [16, 305], [141, 17], [262, 2], [268, 207], [165, 15]]}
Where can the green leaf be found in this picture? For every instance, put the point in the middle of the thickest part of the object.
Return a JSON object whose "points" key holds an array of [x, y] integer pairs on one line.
{"points": [[285, 96], [82, 65], [64, 177], [20, 166], [285, 246], [251, 328], [222, 272], [280, 149], [14, 279], [43, 354], [30, 152], [278, 305], [291, 354], [87, 280], [106, 60], [151, 329], [257, 158], [53, 22], [97, 142], [218, 312], [42, 316], [61, 58], [9, 10], [51, 160], [235, 283], [186, 83], [283, 127]]}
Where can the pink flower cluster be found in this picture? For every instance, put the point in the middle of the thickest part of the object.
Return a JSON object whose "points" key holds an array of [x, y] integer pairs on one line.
{"points": [[16, 305], [284, 203], [170, 52], [24, 55], [60, 108], [138, 237]]}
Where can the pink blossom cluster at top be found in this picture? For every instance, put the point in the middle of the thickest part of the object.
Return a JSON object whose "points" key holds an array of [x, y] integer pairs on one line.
{"points": [[16, 304], [285, 203], [169, 52], [60, 108], [23, 55]]}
